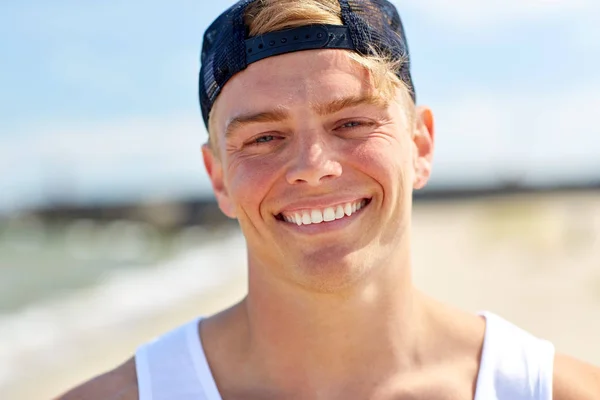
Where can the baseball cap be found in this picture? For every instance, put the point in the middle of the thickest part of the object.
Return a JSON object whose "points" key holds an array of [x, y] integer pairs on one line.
{"points": [[227, 48]]}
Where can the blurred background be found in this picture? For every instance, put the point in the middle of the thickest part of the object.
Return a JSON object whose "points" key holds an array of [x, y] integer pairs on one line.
{"points": [[109, 234]]}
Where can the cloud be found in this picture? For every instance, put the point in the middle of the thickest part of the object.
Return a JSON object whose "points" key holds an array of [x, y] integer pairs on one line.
{"points": [[532, 135], [586, 37], [119, 137], [131, 157]]}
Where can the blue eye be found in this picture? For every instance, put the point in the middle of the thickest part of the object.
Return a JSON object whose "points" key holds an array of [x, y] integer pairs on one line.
{"points": [[351, 124], [264, 139]]}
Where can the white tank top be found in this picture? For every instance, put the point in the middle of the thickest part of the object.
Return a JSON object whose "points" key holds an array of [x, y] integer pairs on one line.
{"points": [[514, 365]]}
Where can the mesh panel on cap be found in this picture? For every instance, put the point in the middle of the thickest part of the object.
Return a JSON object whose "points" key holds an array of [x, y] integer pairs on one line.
{"points": [[377, 24], [373, 24], [223, 54]]}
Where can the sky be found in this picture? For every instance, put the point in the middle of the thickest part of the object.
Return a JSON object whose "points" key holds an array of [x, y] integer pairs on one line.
{"points": [[98, 100]]}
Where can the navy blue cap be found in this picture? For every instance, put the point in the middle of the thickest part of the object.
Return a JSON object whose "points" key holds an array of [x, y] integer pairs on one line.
{"points": [[227, 49]]}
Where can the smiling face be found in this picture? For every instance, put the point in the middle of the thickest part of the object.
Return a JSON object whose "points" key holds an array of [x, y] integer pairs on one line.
{"points": [[317, 166]]}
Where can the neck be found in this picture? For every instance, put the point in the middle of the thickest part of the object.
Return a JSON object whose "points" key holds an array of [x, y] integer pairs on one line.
{"points": [[324, 338]]}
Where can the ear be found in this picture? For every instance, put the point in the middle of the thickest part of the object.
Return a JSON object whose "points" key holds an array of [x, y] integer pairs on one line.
{"points": [[214, 168], [423, 139]]}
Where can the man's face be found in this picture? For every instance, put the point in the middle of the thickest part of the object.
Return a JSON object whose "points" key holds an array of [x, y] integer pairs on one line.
{"points": [[316, 166]]}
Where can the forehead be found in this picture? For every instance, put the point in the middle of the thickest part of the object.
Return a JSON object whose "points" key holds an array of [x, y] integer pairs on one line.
{"points": [[293, 81]]}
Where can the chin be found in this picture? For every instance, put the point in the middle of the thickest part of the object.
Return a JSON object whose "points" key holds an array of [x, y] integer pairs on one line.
{"points": [[331, 270]]}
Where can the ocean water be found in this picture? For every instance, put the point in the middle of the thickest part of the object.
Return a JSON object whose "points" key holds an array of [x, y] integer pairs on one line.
{"points": [[40, 260], [65, 282]]}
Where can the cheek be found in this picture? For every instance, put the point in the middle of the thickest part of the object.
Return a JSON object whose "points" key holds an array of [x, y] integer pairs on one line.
{"points": [[385, 160], [249, 180]]}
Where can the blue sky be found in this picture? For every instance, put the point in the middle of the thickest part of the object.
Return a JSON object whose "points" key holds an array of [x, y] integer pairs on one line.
{"points": [[98, 99]]}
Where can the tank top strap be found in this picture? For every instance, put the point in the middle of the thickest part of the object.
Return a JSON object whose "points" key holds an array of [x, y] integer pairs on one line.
{"points": [[515, 365], [174, 366]]}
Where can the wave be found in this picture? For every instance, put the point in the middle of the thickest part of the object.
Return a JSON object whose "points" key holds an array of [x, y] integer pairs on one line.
{"points": [[126, 296]]}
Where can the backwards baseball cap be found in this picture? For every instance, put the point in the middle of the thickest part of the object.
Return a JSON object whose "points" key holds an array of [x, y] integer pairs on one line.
{"points": [[367, 24]]}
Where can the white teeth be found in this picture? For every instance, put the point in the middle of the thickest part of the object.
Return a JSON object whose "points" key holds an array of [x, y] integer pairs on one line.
{"points": [[316, 216], [306, 218], [348, 209], [328, 214]]}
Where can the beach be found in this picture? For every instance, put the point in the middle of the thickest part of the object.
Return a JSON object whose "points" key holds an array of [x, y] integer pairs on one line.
{"points": [[532, 259]]}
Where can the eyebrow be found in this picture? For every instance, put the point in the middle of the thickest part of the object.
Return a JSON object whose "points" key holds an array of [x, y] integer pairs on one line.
{"points": [[251, 118], [347, 102], [280, 114]]}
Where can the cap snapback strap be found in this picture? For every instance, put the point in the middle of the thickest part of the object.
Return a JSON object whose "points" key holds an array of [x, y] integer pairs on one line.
{"points": [[307, 37]]}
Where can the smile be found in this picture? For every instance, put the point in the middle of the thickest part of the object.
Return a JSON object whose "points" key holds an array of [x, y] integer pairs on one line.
{"points": [[318, 216]]}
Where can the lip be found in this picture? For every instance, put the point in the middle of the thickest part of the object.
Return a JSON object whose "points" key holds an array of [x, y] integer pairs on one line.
{"points": [[319, 204], [325, 227]]}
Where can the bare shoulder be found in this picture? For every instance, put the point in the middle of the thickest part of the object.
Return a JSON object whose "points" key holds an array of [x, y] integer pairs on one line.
{"points": [[117, 384], [575, 380]]}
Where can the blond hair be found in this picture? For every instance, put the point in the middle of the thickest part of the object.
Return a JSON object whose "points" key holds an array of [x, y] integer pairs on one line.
{"points": [[264, 16]]}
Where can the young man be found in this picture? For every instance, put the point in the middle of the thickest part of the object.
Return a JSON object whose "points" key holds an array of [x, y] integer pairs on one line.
{"points": [[315, 147]]}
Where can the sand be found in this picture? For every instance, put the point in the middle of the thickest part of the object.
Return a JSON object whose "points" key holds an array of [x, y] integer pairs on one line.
{"points": [[534, 260]]}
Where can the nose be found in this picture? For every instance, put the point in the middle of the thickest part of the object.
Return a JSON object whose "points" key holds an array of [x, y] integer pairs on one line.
{"points": [[313, 163]]}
